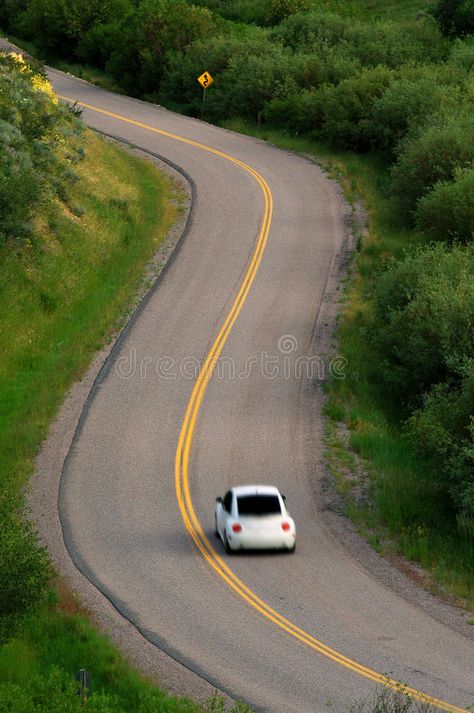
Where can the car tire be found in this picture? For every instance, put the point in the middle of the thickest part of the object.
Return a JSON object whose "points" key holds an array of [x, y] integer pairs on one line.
{"points": [[291, 550], [226, 544]]}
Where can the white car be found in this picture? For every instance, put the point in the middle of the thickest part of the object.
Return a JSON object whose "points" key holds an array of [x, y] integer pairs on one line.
{"points": [[254, 517]]}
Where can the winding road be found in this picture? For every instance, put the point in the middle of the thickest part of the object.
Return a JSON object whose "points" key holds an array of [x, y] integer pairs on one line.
{"points": [[216, 383]]}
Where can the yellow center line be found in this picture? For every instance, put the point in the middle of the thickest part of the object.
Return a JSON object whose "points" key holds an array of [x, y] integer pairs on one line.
{"points": [[186, 435]]}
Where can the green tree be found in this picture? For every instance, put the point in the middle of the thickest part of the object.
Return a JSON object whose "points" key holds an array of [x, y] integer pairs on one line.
{"points": [[10, 12], [455, 17], [279, 10], [165, 26], [57, 25]]}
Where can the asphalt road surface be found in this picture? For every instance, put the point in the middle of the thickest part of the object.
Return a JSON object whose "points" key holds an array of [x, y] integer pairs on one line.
{"points": [[131, 511]]}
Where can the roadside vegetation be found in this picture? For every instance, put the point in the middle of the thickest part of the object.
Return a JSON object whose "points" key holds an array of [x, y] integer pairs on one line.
{"points": [[387, 699], [384, 90]]}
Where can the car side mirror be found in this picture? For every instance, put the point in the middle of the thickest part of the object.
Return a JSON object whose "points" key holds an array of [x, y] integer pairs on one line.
{"points": [[284, 497], [218, 500]]}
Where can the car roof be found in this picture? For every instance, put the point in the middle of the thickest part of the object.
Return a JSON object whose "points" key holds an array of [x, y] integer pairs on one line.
{"points": [[255, 490]]}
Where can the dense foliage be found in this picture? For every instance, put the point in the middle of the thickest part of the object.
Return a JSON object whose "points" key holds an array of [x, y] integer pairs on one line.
{"points": [[455, 17], [32, 127], [423, 332]]}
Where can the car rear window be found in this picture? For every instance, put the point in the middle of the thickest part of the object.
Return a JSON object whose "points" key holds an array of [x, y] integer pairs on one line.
{"points": [[258, 505]]}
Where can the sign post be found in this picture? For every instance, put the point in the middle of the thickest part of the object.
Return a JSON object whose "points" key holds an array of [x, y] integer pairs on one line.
{"points": [[84, 685], [205, 80]]}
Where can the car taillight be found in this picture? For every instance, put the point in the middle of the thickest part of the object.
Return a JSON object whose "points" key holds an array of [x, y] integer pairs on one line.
{"points": [[236, 527], [285, 526]]}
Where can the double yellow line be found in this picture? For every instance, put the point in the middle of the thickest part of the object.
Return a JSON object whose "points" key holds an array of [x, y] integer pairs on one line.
{"points": [[183, 494]]}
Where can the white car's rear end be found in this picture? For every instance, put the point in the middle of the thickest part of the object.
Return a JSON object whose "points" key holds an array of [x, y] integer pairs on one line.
{"points": [[270, 532], [254, 517]]}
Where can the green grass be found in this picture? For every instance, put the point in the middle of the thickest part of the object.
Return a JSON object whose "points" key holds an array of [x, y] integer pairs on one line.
{"points": [[400, 511], [38, 667], [58, 642]]}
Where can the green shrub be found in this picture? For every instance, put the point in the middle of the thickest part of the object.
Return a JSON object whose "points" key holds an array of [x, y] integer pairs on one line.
{"points": [[432, 155], [27, 101], [253, 79], [168, 25], [447, 211], [279, 10], [311, 71], [19, 185], [124, 60], [97, 44], [311, 30], [31, 125], [250, 74], [407, 102], [423, 306], [462, 54], [347, 108], [24, 570], [182, 69], [253, 12], [300, 113], [394, 44], [332, 66], [442, 430], [371, 44]]}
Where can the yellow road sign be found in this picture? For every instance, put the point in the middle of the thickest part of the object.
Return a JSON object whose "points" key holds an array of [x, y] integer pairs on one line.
{"points": [[205, 80]]}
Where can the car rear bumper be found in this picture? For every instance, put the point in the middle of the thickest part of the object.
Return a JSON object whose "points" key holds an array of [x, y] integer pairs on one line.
{"points": [[253, 541]]}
